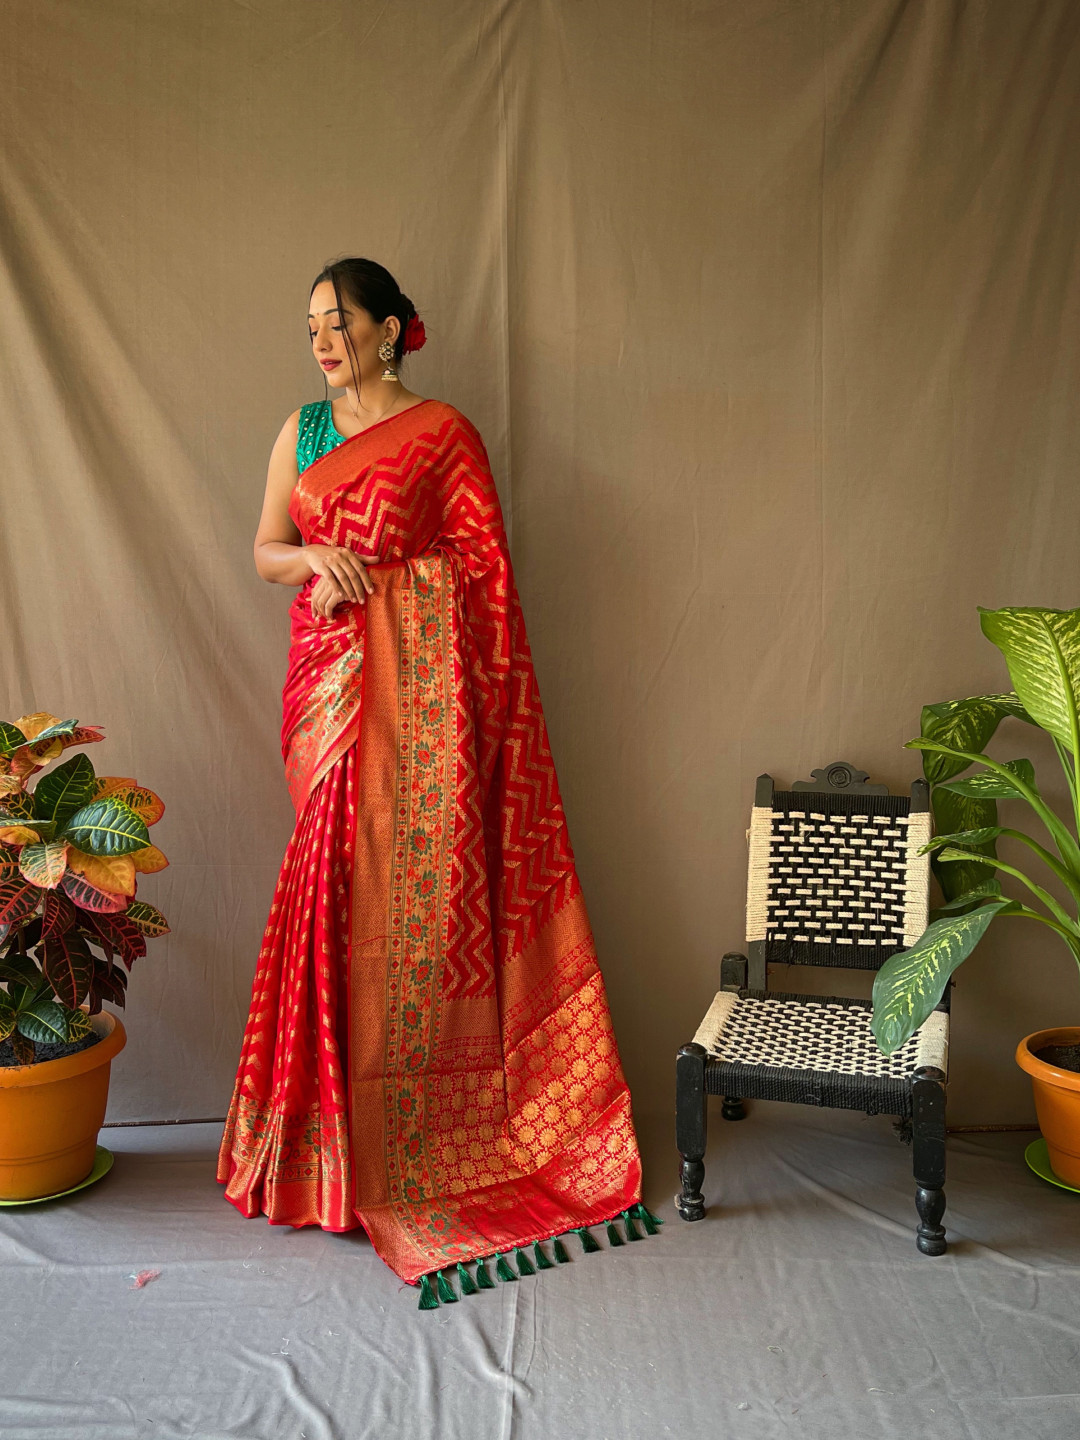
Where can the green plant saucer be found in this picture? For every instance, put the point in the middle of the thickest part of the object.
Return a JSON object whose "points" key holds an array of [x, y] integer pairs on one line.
{"points": [[1038, 1159], [103, 1160]]}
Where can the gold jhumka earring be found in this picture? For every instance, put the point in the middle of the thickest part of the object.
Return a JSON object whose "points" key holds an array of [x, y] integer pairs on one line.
{"points": [[386, 353]]}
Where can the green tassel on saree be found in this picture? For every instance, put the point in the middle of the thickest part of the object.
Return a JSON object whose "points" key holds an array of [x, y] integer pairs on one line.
{"points": [[483, 1276], [524, 1264], [542, 1261]]}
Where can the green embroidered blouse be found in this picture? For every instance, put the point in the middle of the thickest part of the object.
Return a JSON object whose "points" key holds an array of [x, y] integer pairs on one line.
{"points": [[315, 433]]}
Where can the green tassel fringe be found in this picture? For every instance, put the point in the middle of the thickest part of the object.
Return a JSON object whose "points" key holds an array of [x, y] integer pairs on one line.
{"points": [[483, 1276], [524, 1263], [443, 1291], [651, 1222]]}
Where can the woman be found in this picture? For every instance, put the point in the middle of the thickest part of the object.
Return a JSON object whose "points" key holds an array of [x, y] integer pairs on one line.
{"points": [[428, 1052]]}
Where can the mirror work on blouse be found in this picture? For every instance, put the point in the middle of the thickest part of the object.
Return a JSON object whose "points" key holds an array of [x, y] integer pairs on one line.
{"points": [[315, 433]]}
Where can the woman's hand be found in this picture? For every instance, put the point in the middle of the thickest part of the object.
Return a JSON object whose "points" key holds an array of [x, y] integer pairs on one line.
{"points": [[343, 569], [326, 596]]}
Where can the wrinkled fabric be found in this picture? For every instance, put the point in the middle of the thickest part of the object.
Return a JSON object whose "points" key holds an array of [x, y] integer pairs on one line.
{"points": [[769, 316]]}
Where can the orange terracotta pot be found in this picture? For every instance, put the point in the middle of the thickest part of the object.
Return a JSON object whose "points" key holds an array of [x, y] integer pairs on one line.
{"points": [[50, 1115], [1057, 1100]]}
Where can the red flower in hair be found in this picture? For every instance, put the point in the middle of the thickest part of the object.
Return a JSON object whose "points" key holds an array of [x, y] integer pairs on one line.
{"points": [[414, 334]]}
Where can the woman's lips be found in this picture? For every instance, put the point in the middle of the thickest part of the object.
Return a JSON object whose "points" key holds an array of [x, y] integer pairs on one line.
{"points": [[329, 364]]}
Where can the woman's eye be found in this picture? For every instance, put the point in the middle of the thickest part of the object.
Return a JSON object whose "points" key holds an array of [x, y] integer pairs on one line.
{"points": [[311, 336]]}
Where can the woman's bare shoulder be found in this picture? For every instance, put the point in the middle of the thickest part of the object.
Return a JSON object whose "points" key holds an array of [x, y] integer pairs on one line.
{"points": [[291, 429]]}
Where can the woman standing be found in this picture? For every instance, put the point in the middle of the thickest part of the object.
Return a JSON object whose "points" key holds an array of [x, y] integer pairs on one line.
{"points": [[428, 1052]]}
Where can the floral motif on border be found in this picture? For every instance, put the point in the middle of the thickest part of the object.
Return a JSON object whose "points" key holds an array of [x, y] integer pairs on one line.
{"points": [[419, 895], [327, 728], [301, 1147]]}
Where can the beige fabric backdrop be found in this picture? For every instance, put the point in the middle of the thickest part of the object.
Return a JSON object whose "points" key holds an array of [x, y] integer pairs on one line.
{"points": [[768, 313]]}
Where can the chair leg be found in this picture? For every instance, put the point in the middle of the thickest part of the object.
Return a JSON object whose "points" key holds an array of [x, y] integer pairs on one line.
{"points": [[732, 1108], [690, 1129], [928, 1157]]}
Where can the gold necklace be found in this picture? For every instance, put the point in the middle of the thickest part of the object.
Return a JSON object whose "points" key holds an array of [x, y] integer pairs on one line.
{"points": [[378, 417]]}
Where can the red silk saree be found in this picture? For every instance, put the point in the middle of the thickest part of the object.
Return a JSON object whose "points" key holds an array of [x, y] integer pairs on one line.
{"points": [[428, 1052]]}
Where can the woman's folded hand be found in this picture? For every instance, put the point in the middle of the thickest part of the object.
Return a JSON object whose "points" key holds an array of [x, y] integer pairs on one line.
{"points": [[342, 569], [326, 596]]}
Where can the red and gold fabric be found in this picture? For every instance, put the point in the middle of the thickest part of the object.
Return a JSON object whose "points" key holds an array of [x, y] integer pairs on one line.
{"points": [[429, 1052]]}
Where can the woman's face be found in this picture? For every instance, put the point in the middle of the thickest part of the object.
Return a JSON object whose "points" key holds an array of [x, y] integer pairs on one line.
{"points": [[325, 326]]}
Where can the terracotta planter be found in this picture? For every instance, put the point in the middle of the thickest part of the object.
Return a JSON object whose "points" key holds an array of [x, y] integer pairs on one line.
{"points": [[1057, 1100], [50, 1115]]}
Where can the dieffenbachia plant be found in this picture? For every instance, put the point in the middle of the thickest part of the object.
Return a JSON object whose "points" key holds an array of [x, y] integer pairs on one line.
{"points": [[70, 851], [1042, 650]]}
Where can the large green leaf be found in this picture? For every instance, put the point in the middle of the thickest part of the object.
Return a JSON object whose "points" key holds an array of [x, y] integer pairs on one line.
{"points": [[19, 968], [964, 725], [107, 827], [47, 1022], [990, 890], [62, 727], [11, 738], [64, 790], [17, 808], [991, 784], [956, 813], [1042, 650], [44, 865], [910, 984], [971, 839], [147, 918]]}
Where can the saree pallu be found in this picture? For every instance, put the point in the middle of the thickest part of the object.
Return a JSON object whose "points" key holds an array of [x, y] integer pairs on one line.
{"points": [[428, 1052]]}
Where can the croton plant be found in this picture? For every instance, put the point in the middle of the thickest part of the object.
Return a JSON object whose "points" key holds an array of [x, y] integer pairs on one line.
{"points": [[72, 845]]}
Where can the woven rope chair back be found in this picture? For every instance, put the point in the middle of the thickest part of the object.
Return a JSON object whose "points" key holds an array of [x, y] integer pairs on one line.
{"points": [[836, 879]]}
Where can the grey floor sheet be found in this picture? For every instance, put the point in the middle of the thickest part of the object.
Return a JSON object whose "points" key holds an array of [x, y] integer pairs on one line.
{"points": [[798, 1307]]}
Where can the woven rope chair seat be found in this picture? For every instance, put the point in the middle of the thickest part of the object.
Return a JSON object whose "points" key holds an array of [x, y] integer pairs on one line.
{"points": [[810, 1049]]}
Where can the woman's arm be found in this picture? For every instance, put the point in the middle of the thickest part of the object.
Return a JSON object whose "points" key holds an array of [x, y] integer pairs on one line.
{"points": [[280, 554], [279, 546]]}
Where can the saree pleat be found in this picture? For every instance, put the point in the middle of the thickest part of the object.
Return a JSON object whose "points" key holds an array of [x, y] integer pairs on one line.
{"points": [[285, 1150], [429, 1051]]}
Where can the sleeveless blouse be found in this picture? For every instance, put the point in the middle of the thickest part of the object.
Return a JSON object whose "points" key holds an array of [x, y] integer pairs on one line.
{"points": [[315, 433]]}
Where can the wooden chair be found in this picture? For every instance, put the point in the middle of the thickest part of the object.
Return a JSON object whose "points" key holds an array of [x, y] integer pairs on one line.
{"points": [[835, 878]]}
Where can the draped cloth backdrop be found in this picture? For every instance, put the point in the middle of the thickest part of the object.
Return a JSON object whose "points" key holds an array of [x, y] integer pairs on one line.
{"points": [[769, 316]]}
